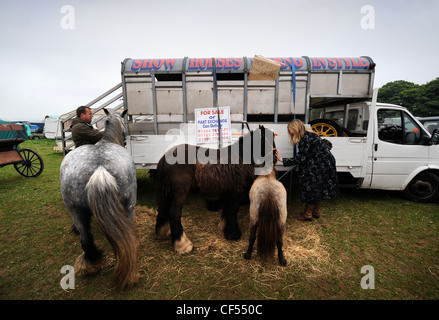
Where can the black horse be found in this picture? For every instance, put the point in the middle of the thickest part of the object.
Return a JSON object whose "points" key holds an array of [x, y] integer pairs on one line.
{"points": [[226, 174]]}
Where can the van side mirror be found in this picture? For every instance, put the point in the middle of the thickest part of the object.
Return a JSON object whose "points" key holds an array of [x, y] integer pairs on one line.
{"points": [[434, 137]]}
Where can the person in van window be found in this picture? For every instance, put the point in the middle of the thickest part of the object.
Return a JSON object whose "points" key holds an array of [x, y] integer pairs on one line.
{"points": [[318, 179]]}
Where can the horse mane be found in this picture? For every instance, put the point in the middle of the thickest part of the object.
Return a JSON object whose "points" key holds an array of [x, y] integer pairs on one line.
{"points": [[242, 142], [113, 131]]}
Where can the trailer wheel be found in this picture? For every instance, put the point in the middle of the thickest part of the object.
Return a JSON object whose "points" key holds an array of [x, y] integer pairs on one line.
{"points": [[423, 188], [326, 128]]}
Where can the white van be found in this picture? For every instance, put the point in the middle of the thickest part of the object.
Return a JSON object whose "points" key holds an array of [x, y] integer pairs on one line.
{"points": [[385, 147]]}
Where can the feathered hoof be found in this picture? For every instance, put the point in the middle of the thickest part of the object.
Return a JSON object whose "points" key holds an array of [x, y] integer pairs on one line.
{"points": [[164, 232], [184, 245], [83, 267]]}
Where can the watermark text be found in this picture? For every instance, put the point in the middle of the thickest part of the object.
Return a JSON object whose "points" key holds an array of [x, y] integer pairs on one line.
{"points": [[68, 19], [68, 281]]}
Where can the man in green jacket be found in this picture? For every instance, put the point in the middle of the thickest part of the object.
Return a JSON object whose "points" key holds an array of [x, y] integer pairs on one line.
{"points": [[82, 130]]}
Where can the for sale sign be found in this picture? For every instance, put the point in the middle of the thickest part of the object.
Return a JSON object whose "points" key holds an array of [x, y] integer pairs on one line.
{"points": [[210, 123]]}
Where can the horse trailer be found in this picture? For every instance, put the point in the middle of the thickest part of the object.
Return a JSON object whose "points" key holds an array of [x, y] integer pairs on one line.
{"points": [[162, 95], [163, 99]]}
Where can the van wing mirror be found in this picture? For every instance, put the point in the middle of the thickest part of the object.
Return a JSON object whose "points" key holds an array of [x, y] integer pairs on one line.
{"points": [[434, 137]]}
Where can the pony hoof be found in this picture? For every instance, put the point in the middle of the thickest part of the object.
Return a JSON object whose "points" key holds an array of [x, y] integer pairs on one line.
{"points": [[184, 245], [283, 262], [247, 256]]}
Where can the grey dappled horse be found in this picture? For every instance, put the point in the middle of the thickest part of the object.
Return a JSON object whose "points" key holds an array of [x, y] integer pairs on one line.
{"points": [[100, 181]]}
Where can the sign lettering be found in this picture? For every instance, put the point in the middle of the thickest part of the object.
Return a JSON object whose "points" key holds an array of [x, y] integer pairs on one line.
{"points": [[339, 63], [237, 64], [153, 64], [207, 129]]}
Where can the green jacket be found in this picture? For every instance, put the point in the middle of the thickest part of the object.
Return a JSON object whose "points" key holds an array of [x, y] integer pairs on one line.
{"points": [[84, 133]]}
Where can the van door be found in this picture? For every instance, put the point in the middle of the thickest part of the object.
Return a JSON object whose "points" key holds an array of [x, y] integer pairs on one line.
{"points": [[398, 149]]}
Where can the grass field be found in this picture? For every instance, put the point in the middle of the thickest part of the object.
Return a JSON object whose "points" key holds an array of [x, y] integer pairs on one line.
{"points": [[398, 238]]}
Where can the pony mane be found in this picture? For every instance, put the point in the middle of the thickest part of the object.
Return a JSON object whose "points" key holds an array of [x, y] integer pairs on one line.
{"points": [[243, 139]]}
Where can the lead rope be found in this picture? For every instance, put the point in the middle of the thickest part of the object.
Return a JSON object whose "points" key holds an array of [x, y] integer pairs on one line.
{"points": [[293, 69], [292, 167]]}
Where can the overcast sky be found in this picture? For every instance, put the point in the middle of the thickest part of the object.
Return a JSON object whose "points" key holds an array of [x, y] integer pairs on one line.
{"points": [[49, 69]]}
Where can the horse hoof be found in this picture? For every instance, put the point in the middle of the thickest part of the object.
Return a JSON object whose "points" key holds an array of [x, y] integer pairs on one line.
{"points": [[184, 245], [283, 262], [247, 256]]}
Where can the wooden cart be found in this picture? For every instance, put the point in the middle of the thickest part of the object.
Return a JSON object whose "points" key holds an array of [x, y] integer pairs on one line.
{"points": [[27, 162]]}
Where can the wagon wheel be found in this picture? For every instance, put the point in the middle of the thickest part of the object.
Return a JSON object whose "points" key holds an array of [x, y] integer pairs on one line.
{"points": [[32, 164], [326, 128]]}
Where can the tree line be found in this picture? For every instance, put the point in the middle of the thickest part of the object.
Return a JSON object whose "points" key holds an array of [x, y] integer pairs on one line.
{"points": [[420, 100]]}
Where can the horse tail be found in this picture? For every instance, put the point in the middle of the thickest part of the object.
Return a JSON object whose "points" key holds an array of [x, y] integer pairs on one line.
{"points": [[163, 191], [163, 187], [268, 227], [113, 219]]}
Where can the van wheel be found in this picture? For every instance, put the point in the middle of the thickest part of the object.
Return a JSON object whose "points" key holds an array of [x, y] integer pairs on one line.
{"points": [[423, 188], [326, 128]]}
